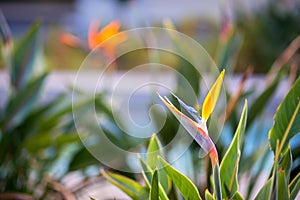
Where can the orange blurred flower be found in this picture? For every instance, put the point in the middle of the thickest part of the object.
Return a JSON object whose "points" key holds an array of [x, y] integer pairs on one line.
{"points": [[102, 39]]}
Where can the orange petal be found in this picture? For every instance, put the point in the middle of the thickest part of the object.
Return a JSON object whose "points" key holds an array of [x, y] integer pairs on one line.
{"points": [[212, 97], [93, 32], [69, 39]]}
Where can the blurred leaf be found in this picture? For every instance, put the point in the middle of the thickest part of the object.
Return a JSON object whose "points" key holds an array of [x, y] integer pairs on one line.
{"points": [[261, 101], [21, 104], [282, 188], [46, 140], [154, 193], [82, 159], [130, 187], [186, 186], [286, 120], [265, 191], [208, 195], [230, 163], [23, 58], [227, 52], [294, 187]]}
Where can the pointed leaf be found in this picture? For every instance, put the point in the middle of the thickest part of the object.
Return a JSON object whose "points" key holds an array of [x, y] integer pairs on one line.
{"points": [[130, 187], [185, 186], [24, 57], [147, 174], [265, 191], [154, 193], [154, 149], [212, 97], [237, 196], [286, 120], [230, 163], [208, 195]]}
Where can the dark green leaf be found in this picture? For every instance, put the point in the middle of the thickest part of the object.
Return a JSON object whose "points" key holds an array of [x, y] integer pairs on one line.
{"points": [[265, 191], [24, 57], [185, 186], [154, 192], [21, 104], [286, 163], [82, 159], [294, 187], [286, 120], [130, 187], [230, 163]]}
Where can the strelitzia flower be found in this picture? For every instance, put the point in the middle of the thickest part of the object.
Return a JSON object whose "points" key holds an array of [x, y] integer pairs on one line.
{"points": [[197, 128], [96, 37]]}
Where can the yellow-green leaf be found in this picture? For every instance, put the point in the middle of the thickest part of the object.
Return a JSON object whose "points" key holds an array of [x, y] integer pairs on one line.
{"points": [[130, 187]]}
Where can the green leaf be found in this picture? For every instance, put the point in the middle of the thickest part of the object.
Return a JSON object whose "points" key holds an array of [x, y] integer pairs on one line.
{"points": [[282, 188], [154, 192], [147, 174], [261, 101], [217, 182], [294, 186], [208, 195], [185, 186], [21, 104], [24, 57], [154, 149], [46, 140], [237, 196], [286, 120], [286, 163], [130, 187], [230, 163], [265, 191], [146, 171]]}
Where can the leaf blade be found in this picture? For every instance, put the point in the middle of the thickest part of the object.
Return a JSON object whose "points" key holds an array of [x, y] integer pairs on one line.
{"points": [[186, 186], [229, 165]]}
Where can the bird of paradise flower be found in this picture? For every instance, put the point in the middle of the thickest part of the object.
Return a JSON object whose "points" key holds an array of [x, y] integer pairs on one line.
{"points": [[197, 128], [98, 38]]}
